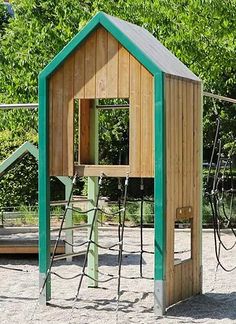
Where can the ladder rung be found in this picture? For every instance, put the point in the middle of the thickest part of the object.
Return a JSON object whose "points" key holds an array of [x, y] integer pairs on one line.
{"points": [[64, 202], [71, 227], [66, 255]]}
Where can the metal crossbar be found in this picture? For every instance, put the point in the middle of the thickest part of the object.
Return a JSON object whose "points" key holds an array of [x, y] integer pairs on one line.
{"points": [[19, 106], [115, 106], [70, 227]]}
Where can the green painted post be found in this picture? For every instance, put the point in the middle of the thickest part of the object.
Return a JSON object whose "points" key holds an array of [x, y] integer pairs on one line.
{"points": [[44, 193], [93, 252], [159, 196], [69, 223], [67, 181], [92, 194]]}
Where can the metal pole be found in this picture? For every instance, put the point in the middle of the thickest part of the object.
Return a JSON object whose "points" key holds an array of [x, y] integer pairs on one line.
{"points": [[19, 106], [118, 106], [218, 97]]}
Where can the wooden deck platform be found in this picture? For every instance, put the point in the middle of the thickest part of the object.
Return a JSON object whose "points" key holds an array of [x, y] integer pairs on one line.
{"points": [[23, 242], [25, 247]]}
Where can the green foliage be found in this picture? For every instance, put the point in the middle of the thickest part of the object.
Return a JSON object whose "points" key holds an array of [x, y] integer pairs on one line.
{"points": [[133, 212], [19, 185], [38, 32], [113, 139], [3, 19], [206, 212], [200, 33], [29, 215], [79, 217], [148, 212]]}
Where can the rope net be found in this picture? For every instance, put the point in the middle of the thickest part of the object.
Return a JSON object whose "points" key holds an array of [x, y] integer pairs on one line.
{"points": [[220, 191]]}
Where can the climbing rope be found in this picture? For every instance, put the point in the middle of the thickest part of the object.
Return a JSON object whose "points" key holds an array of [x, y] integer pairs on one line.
{"points": [[121, 245], [83, 274], [87, 249], [58, 237], [216, 193]]}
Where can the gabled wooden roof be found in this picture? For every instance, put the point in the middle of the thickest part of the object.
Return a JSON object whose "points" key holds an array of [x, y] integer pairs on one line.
{"points": [[137, 40], [158, 53]]}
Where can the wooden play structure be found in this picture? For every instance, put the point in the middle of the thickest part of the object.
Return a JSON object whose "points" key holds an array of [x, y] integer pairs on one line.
{"points": [[10, 243], [111, 58]]}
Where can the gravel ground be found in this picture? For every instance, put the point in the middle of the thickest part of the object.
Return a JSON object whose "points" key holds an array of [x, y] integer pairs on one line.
{"points": [[19, 289]]}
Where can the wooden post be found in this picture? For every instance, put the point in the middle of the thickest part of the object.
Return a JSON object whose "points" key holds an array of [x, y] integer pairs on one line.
{"points": [[92, 194]]}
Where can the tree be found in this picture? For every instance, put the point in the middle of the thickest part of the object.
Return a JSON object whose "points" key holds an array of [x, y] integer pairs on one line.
{"points": [[200, 33], [4, 17]]}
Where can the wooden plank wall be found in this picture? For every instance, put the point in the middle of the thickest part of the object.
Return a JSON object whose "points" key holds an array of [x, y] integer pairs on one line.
{"points": [[183, 113], [61, 112], [101, 68]]}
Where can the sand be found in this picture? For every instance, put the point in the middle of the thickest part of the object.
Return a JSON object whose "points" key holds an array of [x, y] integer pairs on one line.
{"points": [[19, 289]]}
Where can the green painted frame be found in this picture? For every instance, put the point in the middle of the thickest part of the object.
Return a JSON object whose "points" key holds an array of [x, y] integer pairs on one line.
{"points": [[19, 153], [100, 19]]}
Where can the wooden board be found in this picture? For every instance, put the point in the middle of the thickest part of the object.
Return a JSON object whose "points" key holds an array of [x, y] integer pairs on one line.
{"points": [[135, 118], [189, 142], [123, 82], [14, 246], [107, 170], [90, 67], [112, 67], [147, 124], [57, 124], [187, 279], [177, 283], [84, 131], [68, 118], [180, 143], [101, 63], [196, 231], [184, 145], [79, 72]]}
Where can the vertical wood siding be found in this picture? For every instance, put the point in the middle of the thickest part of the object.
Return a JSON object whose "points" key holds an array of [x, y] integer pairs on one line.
{"points": [[101, 68], [183, 113]]}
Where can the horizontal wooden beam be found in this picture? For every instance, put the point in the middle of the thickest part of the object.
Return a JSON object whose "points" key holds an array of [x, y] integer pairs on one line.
{"points": [[97, 170], [26, 249]]}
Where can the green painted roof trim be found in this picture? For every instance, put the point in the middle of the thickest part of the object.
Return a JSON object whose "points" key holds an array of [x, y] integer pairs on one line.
{"points": [[19, 153], [99, 19]]}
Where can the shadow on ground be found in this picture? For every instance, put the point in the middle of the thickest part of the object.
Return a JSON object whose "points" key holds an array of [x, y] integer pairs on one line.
{"points": [[216, 306]]}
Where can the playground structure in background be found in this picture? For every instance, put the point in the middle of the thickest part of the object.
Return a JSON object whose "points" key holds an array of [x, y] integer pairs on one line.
{"points": [[113, 59], [19, 246]]}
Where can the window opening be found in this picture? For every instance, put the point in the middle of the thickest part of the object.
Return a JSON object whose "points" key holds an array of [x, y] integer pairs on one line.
{"points": [[113, 129]]}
